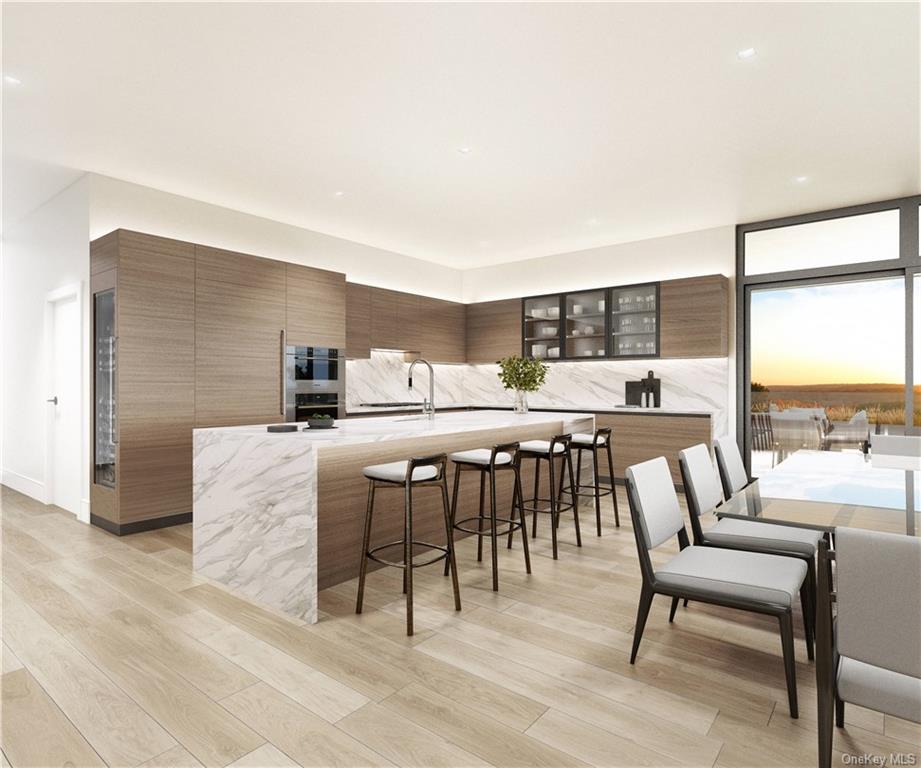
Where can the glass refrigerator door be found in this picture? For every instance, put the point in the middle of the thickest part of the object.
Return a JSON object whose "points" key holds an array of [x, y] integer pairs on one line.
{"points": [[105, 366]]}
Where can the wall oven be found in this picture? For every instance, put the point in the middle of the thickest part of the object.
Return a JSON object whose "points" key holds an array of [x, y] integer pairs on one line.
{"points": [[314, 382]]}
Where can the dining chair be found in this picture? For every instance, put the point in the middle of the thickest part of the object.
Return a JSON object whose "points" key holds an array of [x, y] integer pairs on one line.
{"points": [[702, 491], [870, 655], [732, 468], [748, 581]]}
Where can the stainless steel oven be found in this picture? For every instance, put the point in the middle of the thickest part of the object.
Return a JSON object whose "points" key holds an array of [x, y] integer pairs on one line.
{"points": [[314, 382]]}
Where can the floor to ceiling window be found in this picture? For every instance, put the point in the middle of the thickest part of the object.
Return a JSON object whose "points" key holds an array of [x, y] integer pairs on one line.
{"points": [[829, 311]]}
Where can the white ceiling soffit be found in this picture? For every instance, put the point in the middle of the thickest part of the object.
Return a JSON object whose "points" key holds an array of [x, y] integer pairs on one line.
{"points": [[472, 134]]}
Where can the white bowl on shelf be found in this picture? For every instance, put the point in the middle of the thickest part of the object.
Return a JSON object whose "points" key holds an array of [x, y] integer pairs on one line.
{"points": [[553, 311], [539, 350], [553, 352], [577, 309], [576, 332], [588, 330], [548, 330], [539, 313], [588, 353]]}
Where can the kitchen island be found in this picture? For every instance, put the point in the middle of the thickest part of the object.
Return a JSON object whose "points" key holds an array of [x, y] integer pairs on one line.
{"points": [[277, 516]]}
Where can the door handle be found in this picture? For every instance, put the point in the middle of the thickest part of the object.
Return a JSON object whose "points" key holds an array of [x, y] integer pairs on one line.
{"points": [[52, 400], [281, 396]]}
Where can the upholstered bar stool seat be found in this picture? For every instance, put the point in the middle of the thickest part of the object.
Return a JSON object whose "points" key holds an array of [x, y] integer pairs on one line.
{"points": [[559, 446], [479, 456], [580, 438], [395, 472]]}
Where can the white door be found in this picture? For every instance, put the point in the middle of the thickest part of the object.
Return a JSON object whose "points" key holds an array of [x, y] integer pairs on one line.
{"points": [[64, 379]]}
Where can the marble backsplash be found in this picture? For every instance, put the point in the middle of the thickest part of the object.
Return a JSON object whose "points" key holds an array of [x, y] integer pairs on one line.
{"points": [[693, 385]]}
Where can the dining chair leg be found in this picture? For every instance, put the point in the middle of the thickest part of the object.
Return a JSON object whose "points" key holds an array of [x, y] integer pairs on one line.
{"points": [[597, 489], [554, 509], [493, 536], [825, 728], [789, 660], [479, 539], [575, 501], [365, 546], [536, 494], [671, 611], [449, 531], [642, 612], [408, 557], [839, 712], [806, 602], [613, 485], [524, 526], [454, 495]]}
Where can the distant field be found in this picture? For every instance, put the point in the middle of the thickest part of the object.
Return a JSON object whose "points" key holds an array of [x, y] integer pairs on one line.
{"points": [[885, 403]]}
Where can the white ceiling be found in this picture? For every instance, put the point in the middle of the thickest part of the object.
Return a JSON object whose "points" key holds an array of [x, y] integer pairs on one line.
{"points": [[588, 124]]}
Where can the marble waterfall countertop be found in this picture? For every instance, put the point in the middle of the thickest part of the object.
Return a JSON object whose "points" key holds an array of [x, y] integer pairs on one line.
{"points": [[254, 496]]}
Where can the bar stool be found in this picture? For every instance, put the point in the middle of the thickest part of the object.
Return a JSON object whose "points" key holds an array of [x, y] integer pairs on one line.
{"points": [[558, 446], [503, 457], [415, 473], [601, 440]]}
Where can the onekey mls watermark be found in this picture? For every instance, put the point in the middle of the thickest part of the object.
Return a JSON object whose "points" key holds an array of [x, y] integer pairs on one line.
{"points": [[890, 760]]}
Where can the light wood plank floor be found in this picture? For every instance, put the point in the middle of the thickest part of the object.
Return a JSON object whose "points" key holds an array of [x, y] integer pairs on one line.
{"points": [[115, 653]]}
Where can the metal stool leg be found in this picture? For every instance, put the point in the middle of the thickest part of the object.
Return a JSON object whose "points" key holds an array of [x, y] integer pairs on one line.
{"points": [[451, 560], [493, 537], [536, 494], [479, 539], [578, 470], [515, 510], [613, 484], [597, 488], [554, 506], [408, 556], [457, 474], [365, 545], [524, 525], [575, 499]]}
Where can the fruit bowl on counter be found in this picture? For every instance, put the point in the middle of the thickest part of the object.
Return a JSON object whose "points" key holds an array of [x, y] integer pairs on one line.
{"points": [[321, 421]]}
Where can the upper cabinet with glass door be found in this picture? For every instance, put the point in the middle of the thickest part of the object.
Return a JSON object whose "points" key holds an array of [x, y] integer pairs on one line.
{"points": [[635, 321], [542, 327], [584, 324]]}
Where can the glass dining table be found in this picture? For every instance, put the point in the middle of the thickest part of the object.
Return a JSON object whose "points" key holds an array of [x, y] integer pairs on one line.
{"points": [[825, 490]]}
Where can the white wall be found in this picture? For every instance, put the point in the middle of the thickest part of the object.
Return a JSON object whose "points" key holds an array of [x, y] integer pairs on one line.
{"points": [[118, 204], [47, 250]]}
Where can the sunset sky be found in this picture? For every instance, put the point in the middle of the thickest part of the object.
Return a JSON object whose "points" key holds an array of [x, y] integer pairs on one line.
{"points": [[830, 334]]}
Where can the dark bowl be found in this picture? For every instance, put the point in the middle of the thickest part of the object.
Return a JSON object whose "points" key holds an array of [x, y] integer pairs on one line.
{"points": [[321, 423]]}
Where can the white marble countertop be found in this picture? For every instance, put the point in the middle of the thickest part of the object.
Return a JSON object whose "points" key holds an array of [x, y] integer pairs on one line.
{"points": [[363, 409], [372, 430]]}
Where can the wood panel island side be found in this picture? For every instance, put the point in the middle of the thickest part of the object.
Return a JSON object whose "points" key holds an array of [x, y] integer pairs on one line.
{"points": [[278, 516]]}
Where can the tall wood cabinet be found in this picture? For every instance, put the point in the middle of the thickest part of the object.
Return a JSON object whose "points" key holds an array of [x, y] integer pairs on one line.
{"points": [[694, 317], [187, 335], [493, 330], [144, 380]]}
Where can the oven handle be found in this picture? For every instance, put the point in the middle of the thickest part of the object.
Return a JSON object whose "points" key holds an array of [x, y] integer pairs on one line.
{"points": [[281, 395]]}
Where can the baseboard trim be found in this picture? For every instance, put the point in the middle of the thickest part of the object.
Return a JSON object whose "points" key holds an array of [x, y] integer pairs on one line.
{"points": [[26, 485], [141, 525]]}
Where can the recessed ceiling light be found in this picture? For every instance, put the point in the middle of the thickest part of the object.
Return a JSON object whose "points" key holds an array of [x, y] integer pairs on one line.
{"points": [[800, 179], [10, 80], [340, 193], [746, 53], [465, 150]]}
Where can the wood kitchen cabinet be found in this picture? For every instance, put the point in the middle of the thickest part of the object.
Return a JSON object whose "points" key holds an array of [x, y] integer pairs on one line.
{"points": [[694, 316], [441, 330], [357, 321], [143, 384], [385, 327], [240, 315], [493, 330], [315, 307]]}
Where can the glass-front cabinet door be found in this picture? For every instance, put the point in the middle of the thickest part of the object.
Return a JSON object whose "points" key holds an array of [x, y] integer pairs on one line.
{"points": [[542, 327], [584, 325], [635, 321], [105, 367]]}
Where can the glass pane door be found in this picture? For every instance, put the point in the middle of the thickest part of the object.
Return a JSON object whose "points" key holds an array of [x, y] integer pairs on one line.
{"points": [[105, 353], [827, 367], [634, 321], [584, 325], [542, 327]]}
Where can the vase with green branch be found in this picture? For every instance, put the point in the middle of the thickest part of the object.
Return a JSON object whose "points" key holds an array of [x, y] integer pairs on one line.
{"points": [[523, 375]]}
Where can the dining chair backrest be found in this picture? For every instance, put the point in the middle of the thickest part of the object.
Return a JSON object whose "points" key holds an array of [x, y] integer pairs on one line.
{"points": [[879, 599], [896, 445], [653, 501], [701, 481], [732, 469]]}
